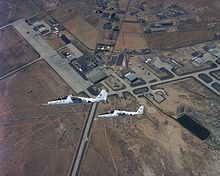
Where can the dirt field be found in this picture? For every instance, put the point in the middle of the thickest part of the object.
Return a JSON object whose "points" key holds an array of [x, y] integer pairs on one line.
{"points": [[198, 102], [140, 146], [188, 4], [130, 37], [37, 140], [211, 15], [123, 4], [60, 11], [14, 50], [131, 18], [207, 10], [68, 9], [178, 39], [85, 32], [131, 41], [93, 20], [188, 93], [184, 57], [131, 28], [13, 10], [103, 38], [54, 41]]}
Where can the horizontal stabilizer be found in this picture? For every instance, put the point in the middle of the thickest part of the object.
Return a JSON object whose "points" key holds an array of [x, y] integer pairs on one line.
{"points": [[140, 110], [102, 96]]}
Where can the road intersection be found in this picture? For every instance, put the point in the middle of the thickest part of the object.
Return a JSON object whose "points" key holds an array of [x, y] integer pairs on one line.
{"points": [[71, 77]]}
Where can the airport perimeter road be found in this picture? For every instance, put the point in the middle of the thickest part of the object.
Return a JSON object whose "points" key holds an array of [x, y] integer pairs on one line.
{"points": [[59, 64], [19, 68], [5, 26], [194, 75], [172, 80], [75, 166]]}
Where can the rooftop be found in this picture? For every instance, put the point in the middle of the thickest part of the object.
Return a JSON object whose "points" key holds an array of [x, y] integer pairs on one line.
{"points": [[131, 77], [96, 75]]}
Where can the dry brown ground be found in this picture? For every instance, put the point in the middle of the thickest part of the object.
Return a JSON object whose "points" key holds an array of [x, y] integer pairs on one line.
{"points": [[68, 9], [93, 20], [178, 39], [131, 18], [209, 10], [13, 10], [32, 139], [14, 50], [199, 102], [123, 4], [185, 4], [130, 37], [131, 41], [136, 146], [189, 93], [183, 56], [202, 4], [85, 32], [103, 37], [211, 16], [131, 28], [54, 41]]}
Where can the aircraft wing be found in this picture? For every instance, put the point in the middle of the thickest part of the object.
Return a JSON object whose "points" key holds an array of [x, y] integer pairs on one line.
{"points": [[117, 113], [65, 101], [111, 113]]}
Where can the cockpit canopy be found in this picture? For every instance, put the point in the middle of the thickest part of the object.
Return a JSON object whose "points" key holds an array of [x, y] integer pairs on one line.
{"points": [[111, 111], [61, 98]]}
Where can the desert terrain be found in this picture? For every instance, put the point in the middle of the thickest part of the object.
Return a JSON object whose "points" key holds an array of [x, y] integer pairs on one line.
{"points": [[13, 10], [10, 41], [150, 145], [131, 37], [37, 139], [83, 31], [197, 101], [178, 39]]}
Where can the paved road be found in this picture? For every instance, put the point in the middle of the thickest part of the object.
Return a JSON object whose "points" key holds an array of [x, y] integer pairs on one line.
{"points": [[120, 26], [83, 141], [9, 24], [77, 83], [175, 79], [194, 75], [60, 65], [20, 68]]}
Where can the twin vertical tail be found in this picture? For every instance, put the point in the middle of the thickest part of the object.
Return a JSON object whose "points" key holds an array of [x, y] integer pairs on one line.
{"points": [[140, 110], [102, 96]]}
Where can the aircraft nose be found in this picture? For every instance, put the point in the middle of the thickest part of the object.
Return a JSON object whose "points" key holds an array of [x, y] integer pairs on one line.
{"points": [[51, 102]]}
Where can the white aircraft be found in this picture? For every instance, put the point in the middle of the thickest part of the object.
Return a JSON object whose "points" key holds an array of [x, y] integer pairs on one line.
{"points": [[70, 99], [117, 113]]}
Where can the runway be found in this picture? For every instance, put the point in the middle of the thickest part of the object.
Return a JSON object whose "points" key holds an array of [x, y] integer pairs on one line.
{"points": [[20, 68], [59, 64], [75, 166]]}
